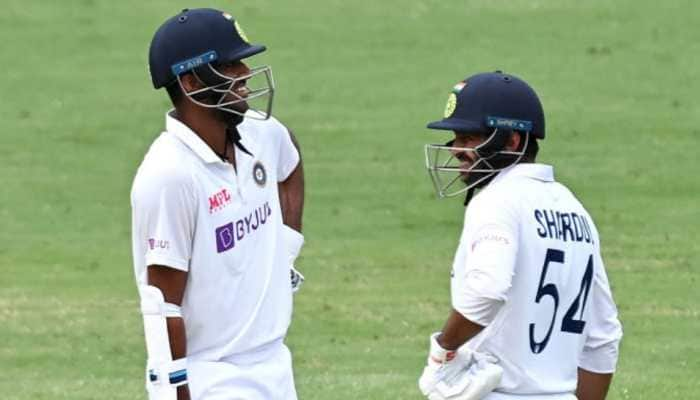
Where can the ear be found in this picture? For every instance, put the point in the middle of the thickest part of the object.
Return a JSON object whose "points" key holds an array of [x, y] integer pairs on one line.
{"points": [[190, 83], [513, 142]]}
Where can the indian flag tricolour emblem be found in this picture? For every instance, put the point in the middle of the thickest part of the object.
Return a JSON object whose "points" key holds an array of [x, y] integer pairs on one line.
{"points": [[458, 87]]}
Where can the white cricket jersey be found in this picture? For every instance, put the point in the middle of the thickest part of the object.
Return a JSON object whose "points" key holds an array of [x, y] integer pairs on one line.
{"points": [[195, 213], [528, 267]]}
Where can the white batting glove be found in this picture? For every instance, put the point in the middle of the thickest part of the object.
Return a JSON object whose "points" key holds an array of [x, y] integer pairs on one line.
{"points": [[458, 375], [293, 241], [441, 362]]}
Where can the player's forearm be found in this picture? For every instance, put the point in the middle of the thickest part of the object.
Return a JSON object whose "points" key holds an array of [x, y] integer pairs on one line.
{"points": [[592, 386], [178, 340], [457, 331], [291, 192]]}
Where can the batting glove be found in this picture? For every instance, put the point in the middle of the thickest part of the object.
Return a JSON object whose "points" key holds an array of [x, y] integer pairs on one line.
{"points": [[458, 374]]}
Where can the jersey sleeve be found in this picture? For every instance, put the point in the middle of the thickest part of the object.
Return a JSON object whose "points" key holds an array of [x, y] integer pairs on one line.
{"points": [[163, 217], [490, 239], [288, 157], [601, 346]]}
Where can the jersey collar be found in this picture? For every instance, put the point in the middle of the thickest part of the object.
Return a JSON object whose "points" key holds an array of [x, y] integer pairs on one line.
{"points": [[190, 139], [540, 172]]}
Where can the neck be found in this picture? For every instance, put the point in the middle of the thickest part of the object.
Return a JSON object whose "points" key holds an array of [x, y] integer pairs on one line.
{"points": [[210, 129]]}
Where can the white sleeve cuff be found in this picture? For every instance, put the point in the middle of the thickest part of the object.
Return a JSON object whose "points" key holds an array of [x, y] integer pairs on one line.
{"points": [[481, 311], [601, 360], [481, 295], [289, 167], [154, 258]]}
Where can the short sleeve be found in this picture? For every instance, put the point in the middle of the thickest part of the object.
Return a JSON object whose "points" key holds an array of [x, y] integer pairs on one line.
{"points": [[490, 242], [288, 155], [163, 218], [601, 346]]}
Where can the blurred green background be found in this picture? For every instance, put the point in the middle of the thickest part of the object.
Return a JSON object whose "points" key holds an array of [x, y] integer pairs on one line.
{"points": [[357, 81]]}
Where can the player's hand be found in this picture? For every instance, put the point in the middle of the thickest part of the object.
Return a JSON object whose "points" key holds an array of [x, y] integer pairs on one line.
{"points": [[442, 363], [458, 375]]}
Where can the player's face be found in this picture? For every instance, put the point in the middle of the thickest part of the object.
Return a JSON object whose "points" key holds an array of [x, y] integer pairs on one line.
{"points": [[237, 69], [231, 88], [467, 157]]}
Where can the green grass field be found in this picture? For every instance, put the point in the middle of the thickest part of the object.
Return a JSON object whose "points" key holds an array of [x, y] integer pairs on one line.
{"points": [[357, 81]]}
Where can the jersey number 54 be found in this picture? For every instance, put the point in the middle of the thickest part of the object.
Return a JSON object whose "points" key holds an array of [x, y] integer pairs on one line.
{"points": [[569, 323]]}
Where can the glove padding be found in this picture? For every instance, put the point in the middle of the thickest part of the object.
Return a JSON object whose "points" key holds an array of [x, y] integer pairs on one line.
{"points": [[458, 375], [293, 241], [296, 277]]}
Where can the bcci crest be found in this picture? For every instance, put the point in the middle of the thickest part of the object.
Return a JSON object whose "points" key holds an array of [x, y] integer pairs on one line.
{"points": [[259, 174], [239, 30], [452, 99], [451, 105]]}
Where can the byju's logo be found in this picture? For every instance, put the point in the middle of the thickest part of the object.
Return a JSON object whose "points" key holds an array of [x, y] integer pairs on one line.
{"points": [[224, 238], [227, 235], [154, 244]]}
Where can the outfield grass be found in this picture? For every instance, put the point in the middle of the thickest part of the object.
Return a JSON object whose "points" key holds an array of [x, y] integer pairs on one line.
{"points": [[357, 81]]}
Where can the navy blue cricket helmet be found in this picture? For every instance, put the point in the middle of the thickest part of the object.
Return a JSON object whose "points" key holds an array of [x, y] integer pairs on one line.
{"points": [[193, 38], [491, 100]]}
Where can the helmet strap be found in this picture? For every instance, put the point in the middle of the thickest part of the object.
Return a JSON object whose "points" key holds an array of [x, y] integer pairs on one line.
{"points": [[470, 194], [233, 136], [493, 144]]}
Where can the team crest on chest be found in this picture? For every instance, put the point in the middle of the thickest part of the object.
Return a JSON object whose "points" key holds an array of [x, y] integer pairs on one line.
{"points": [[259, 174]]}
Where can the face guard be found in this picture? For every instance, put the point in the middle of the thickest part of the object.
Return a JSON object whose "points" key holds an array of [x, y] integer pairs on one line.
{"points": [[248, 95], [451, 176]]}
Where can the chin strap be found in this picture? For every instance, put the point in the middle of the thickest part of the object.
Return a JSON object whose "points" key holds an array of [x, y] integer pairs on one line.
{"points": [[233, 136], [470, 194]]}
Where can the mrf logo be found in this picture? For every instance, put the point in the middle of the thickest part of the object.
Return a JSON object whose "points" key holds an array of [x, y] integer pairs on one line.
{"points": [[219, 200]]}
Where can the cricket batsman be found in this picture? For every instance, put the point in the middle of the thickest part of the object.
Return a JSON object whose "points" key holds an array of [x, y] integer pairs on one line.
{"points": [[216, 220], [532, 314]]}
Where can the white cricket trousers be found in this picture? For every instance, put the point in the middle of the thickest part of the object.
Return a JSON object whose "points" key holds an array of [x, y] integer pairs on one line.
{"points": [[265, 374], [506, 396]]}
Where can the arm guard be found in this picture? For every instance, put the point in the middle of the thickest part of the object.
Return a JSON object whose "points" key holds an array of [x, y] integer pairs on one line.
{"points": [[163, 374]]}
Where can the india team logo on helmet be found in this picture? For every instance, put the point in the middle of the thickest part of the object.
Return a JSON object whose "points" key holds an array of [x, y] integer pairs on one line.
{"points": [[239, 30], [259, 174], [452, 99], [451, 105]]}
